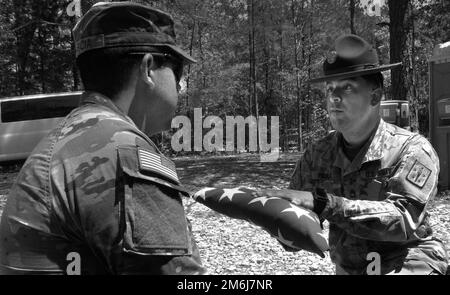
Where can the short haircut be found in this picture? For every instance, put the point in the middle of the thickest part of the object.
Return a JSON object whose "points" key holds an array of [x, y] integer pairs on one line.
{"points": [[106, 71], [375, 79]]}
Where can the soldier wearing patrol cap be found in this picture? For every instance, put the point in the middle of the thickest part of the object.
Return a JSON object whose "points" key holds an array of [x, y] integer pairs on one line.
{"points": [[97, 187], [372, 181]]}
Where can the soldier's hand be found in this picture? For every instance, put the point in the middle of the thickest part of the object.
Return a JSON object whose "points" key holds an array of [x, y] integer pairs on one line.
{"points": [[300, 198]]}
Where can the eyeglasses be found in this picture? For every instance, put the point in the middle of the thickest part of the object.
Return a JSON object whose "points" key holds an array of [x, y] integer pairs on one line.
{"points": [[168, 60], [176, 64]]}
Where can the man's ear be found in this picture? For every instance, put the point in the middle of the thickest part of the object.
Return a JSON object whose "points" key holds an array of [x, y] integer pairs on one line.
{"points": [[377, 95], [146, 72]]}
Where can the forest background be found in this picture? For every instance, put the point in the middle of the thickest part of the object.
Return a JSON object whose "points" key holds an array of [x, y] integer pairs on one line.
{"points": [[254, 56]]}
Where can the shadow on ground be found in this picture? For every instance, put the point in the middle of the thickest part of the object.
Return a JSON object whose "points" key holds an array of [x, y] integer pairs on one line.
{"points": [[235, 171]]}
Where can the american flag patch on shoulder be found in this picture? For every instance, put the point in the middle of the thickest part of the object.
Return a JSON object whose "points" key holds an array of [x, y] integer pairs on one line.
{"points": [[157, 163]]}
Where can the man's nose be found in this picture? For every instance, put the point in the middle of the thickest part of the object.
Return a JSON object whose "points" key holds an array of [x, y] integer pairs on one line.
{"points": [[334, 98]]}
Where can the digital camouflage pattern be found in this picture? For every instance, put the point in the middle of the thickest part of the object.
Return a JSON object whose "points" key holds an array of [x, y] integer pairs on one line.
{"points": [[378, 202], [83, 190]]}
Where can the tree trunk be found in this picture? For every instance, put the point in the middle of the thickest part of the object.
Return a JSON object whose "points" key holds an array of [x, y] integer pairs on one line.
{"points": [[295, 17], [75, 76], [398, 33], [42, 59], [26, 26], [255, 94], [352, 16], [253, 91], [251, 36], [191, 48], [310, 52], [253, 99], [281, 78], [412, 72], [202, 55]]}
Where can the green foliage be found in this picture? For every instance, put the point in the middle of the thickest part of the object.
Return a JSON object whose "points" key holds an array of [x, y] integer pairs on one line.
{"points": [[35, 51]]}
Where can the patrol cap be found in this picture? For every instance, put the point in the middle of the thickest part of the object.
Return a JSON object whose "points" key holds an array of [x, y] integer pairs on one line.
{"points": [[129, 27]]}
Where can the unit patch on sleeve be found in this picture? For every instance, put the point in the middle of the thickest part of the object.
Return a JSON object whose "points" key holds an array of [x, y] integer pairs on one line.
{"points": [[419, 174]]}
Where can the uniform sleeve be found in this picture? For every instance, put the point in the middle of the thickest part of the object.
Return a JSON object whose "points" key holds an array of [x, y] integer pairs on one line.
{"points": [[301, 178], [132, 222], [158, 237], [408, 191]]}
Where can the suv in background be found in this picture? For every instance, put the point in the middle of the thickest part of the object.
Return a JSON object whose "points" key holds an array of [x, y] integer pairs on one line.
{"points": [[25, 120]]}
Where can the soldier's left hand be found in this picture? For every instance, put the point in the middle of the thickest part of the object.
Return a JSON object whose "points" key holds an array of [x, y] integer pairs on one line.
{"points": [[300, 198]]}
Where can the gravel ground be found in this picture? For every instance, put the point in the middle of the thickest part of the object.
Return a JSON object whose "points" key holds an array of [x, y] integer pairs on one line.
{"points": [[232, 247], [229, 246]]}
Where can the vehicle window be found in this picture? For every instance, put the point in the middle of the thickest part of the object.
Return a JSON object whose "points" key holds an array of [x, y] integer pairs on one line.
{"points": [[41, 108]]}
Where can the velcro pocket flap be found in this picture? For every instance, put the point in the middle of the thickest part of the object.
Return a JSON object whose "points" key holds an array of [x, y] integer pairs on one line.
{"points": [[154, 214]]}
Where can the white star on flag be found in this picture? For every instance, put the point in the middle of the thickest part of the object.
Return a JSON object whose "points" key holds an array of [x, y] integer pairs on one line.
{"points": [[284, 241], [297, 210], [262, 200], [202, 193], [229, 193]]}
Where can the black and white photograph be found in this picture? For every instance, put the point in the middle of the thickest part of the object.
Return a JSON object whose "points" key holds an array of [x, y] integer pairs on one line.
{"points": [[244, 140]]}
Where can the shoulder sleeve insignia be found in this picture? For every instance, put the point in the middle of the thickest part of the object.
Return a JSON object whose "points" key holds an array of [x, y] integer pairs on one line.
{"points": [[157, 163], [418, 174]]}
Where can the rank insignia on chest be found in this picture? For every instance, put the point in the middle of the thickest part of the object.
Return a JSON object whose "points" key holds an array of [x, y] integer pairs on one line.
{"points": [[419, 174], [157, 163]]}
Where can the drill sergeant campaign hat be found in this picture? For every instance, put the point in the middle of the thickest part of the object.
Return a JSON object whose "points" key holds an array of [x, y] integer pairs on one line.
{"points": [[130, 28], [353, 56]]}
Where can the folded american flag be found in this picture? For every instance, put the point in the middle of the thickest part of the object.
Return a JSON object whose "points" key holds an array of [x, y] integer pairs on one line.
{"points": [[291, 225]]}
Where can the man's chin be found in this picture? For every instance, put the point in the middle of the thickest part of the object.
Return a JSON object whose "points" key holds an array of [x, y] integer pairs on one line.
{"points": [[338, 126]]}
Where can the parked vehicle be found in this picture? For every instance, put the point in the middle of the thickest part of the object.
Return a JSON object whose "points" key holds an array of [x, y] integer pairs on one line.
{"points": [[396, 112], [25, 120]]}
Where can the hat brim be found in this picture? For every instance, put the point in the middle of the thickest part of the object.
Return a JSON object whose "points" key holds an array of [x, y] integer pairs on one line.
{"points": [[176, 50], [183, 54], [355, 73], [148, 48]]}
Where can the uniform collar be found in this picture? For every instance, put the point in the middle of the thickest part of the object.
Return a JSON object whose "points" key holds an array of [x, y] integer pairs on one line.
{"points": [[376, 148], [98, 98], [371, 151]]}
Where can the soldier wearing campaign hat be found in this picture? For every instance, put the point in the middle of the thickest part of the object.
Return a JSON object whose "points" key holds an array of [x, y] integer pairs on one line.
{"points": [[372, 181], [96, 196]]}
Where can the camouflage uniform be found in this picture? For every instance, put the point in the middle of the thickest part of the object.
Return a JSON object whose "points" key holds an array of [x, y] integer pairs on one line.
{"points": [[378, 202], [85, 189]]}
